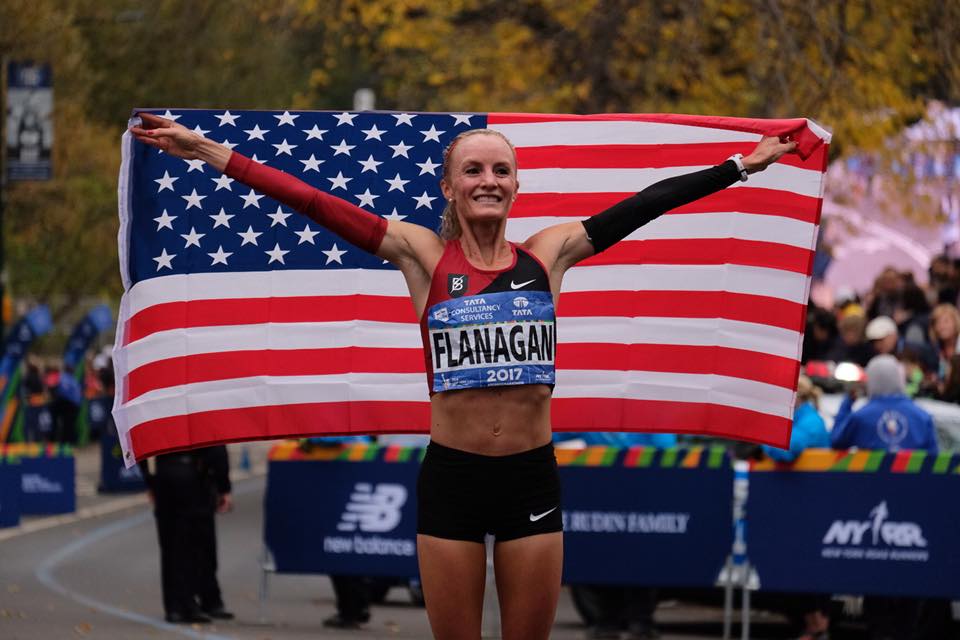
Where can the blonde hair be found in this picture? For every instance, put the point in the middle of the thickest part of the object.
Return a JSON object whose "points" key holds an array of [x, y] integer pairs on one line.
{"points": [[449, 222], [808, 392], [941, 310]]}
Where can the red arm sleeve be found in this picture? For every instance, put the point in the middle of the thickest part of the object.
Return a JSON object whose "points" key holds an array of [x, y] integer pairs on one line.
{"points": [[350, 222]]}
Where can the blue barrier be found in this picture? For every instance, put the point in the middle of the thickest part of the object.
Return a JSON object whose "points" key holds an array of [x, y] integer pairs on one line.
{"points": [[47, 479], [115, 477], [866, 523], [9, 492]]}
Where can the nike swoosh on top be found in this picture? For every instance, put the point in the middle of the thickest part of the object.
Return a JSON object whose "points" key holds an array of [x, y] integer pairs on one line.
{"points": [[534, 518], [514, 285]]}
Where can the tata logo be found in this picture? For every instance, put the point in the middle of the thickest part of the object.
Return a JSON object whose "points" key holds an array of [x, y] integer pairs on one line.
{"points": [[456, 284], [373, 509], [520, 302], [877, 529], [441, 314]]}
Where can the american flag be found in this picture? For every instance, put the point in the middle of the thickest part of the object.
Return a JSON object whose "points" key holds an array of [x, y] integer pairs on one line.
{"points": [[243, 320]]}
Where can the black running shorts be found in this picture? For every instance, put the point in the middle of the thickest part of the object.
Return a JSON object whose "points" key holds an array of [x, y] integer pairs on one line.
{"points": [[464, 496]]}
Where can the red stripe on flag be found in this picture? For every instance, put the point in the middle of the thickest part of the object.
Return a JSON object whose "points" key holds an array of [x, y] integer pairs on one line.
{"points": [[631, 156], [751, 253], [223, 365], [209, 313], [618, 414], [691, 359], [277, 421], [742, 200], [685, 304]]}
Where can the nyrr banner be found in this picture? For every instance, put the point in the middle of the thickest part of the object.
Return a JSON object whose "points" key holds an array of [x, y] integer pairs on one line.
{"points": [[866, 522], [29, 143]]}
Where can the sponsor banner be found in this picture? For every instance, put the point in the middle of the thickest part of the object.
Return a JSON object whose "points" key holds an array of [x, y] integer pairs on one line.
{"points": [[360, 519], [884, 531], [9, 492], [631, 516], [29, 127], [48, 485], [638, 520], [114, 475], [35, 323]]}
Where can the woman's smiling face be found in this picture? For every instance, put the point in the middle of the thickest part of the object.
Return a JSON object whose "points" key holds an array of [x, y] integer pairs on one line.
{"points": [[482, 179]]}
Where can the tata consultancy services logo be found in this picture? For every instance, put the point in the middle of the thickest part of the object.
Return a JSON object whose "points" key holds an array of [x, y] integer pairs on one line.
{"points": [[878, 538], [373, 509]]}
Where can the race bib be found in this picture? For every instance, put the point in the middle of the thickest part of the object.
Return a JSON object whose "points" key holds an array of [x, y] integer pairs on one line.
{"points": [[493, 339]]}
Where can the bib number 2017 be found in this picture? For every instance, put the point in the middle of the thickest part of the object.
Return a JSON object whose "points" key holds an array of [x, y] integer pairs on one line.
{"points": [[504, 375]]}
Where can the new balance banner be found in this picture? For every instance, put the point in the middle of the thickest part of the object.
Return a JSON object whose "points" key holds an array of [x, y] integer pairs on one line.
{"points": [[243, 320]]}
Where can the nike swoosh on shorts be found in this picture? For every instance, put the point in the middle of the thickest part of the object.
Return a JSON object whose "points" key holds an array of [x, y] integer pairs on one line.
{"points": [[514, 285], [534, 518]]}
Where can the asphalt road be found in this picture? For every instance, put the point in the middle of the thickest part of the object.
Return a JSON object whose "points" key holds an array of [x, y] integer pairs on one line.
{"points": [[97, 576]]}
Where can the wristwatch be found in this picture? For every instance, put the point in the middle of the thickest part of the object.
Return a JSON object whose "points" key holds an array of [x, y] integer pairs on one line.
{"points": [[737, 159]]}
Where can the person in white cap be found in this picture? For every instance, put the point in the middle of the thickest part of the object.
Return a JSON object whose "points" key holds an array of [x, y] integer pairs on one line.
{"points": [[882, 334]]}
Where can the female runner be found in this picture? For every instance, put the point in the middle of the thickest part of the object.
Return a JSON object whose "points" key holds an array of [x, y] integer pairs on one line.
{"points": [[490, 466]]}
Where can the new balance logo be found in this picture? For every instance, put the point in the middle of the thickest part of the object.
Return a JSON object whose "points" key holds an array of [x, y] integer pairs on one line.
{"points": [[373, 508]]}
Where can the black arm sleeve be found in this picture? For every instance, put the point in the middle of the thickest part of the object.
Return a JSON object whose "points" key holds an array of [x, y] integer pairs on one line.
{"points": [[218, 463], [614, 224]]}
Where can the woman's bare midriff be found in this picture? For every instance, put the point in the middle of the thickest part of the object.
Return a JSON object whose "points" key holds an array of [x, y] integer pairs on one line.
{"points": [[495, 421]]}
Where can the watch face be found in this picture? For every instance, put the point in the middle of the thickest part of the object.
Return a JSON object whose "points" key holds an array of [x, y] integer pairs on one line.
{"points": [[456, 284]]}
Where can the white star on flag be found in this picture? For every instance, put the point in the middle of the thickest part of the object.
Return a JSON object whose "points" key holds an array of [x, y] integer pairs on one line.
{"points": [[400, 149], [251, 199], [284, 147], [366, 198], [279, 217], [311, 164], [163, 260], [220, 257], [256, 133], [222, 182], [193, 200], [222, 219], [166, 182], [276, 254], [195, 165], [369, 164], [460, 118], [249, 236], [340, 182], [285, 118], [404, 118], [306, 235], [165, 220], [393, 215], [345, 118], [227, 118], [343, 147], [424, 200], [373, 133], [334, 254], [228, 144], [192, 238], [432, 134], [257, 160], [170, 116], [427, 167], [202, 132], [396, 183], [314, 133]]}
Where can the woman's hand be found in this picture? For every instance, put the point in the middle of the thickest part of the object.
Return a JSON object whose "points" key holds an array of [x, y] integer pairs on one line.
{"points": [[767, 152], [178, 141]]}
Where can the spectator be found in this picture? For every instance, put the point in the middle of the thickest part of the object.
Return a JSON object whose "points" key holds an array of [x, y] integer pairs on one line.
{"points": [[884, 298], [889, 421], [851, 345], [944, 334], [943, 281], [913, 315], [883, 335], [919, 363], [820, 334], [809, 430]]}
